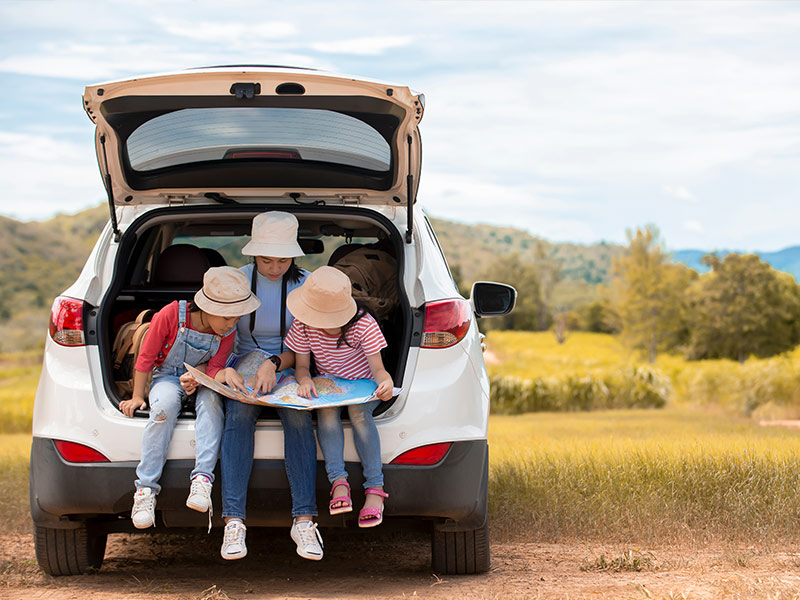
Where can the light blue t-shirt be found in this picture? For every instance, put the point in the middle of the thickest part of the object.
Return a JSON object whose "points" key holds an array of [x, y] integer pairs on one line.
{"points": [[267, 328]]}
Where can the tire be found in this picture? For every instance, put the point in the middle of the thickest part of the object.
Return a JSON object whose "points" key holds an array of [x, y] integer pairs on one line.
{"points": [[460, 552], [69, 551]]}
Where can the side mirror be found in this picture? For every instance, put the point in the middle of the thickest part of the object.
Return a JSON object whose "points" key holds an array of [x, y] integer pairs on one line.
{"points": [[491, 299]]}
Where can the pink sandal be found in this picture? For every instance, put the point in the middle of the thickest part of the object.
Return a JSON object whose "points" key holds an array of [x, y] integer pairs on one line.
{"points": [[373, 516], [347, 504]]}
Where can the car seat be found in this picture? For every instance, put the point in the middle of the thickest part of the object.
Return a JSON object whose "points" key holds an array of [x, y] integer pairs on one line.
{"points": [[181, 265]]}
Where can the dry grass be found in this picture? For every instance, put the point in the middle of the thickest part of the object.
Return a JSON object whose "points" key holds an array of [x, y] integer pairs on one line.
{"points": [[670, 476], [14, 460], [19, 375]]}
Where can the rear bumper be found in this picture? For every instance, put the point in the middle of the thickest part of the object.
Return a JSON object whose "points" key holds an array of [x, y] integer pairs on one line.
{"points": [[452, 493]]}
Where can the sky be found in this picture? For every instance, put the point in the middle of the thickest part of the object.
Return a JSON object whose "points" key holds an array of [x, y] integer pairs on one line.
{"points": [[576, 121]]}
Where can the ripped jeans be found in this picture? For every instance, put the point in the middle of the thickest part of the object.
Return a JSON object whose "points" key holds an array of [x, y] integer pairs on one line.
{"points": [[166, 398]]}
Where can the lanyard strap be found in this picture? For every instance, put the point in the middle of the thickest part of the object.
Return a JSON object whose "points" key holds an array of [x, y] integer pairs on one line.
{"points": [[253, 286]]}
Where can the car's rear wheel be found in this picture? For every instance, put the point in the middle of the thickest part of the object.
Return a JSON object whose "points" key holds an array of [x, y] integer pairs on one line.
{"points": [[460, 552], [69, 551]]}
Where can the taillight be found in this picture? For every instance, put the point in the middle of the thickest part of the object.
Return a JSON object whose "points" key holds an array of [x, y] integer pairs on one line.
{"points": [[424, 455], [78, 453], [446, 323], [66, 321]]}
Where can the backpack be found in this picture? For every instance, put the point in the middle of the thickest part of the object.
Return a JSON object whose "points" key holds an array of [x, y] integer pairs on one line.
{"points": [[125, 351], [373, 274]]}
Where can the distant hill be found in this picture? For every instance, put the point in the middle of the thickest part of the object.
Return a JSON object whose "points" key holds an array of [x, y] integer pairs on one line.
{"points": [[38, 260], [472, 247]]}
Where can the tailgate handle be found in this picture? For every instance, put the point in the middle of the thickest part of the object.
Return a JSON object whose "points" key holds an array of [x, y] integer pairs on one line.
{"points": [[246, 90]]}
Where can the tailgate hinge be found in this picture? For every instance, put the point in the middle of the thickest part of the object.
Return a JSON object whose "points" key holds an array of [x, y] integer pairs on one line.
{"points": [[176, 200], [350, 200]]}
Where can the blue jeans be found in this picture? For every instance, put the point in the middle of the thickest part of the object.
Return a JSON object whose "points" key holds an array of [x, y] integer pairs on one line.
{"points": [[365, 435], [166, 397], [299, 450]]}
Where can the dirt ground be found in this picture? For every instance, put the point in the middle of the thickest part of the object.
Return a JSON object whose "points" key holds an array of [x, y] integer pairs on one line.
{"points": [[375, 565]]}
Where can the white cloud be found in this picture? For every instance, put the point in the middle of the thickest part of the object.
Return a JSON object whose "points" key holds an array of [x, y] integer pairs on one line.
{"points": [[231, 31], [42, 176], [366, 46], [679, 192], [693, 227], [539, 208]]}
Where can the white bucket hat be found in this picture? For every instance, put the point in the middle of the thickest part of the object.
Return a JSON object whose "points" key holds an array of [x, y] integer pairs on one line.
{"points": [[226, 293], [325, 299], [274, 234]]}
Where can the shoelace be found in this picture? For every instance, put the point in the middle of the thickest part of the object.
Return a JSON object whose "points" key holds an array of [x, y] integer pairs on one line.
{"points": [[203, 488], [306, 535], [234, 534], [146, 503]]}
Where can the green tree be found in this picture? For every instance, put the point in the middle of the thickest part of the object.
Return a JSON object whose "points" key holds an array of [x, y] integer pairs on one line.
{"points": [[742, 307], [649, 291], [599, 317], [511, 269]]}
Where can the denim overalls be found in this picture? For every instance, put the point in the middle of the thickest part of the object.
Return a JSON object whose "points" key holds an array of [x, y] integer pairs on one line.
{"points": [[166, 398]]}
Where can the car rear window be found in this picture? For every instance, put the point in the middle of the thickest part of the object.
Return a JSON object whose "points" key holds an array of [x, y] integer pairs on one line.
{"points": [[256, 133]]}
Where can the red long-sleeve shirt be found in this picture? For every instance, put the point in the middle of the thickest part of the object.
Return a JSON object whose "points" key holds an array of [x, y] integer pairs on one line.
{"points": [[161, 336]]}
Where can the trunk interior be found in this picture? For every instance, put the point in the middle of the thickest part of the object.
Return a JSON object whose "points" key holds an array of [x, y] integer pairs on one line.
{"points": [[163, 255]]}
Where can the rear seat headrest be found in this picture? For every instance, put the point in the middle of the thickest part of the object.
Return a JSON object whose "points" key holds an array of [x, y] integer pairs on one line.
{"points": [[182, 264], [215, 259]]}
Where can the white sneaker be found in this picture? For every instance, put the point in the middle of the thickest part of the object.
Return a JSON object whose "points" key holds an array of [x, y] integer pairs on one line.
{"points": [[308, 539], [143, 513], [199, 494], [233, 545]]}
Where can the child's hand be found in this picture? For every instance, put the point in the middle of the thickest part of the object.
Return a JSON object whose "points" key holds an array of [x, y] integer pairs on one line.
{"points": [[307, 389], [384, 390], [188, 383], [128, 407], [265, 378], [234, 380]]}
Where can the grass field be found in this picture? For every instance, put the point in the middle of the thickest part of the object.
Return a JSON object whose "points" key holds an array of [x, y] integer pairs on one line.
{"points": [[19, 374], [759, 388], [674, 475], [14, 451]]}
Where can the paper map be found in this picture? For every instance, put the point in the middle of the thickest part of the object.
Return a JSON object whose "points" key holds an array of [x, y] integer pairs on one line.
{"points": [[333, 391]]}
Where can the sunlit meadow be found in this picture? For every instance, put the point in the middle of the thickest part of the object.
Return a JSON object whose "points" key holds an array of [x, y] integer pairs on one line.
{"points": [[699, 470]]}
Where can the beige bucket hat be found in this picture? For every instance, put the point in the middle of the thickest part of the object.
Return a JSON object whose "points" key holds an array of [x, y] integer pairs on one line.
{"points": [[226, 293], [324, 300], [274, 234]]}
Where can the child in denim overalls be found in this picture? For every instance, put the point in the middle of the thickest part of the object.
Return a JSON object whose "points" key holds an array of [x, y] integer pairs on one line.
{"points": [[176, 336]]}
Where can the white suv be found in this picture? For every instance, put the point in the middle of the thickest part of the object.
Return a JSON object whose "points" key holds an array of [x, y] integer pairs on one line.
{"points": [[188, 159]]}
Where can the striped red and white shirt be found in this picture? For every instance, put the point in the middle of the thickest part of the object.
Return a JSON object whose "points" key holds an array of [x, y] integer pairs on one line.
{"points": [[348, 361]]}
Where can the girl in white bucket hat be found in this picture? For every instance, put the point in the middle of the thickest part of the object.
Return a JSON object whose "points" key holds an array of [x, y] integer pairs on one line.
{"points": [[272, 275], [346, 342], [180, 333]]}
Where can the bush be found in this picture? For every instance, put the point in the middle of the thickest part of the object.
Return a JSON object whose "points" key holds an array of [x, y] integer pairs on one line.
{"points": [[757, 386], [628, 387]]}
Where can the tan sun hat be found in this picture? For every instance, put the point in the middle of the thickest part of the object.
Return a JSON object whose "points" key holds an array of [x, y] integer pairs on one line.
{"points": [[325, 299], [274, 234], [226, 293]]}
